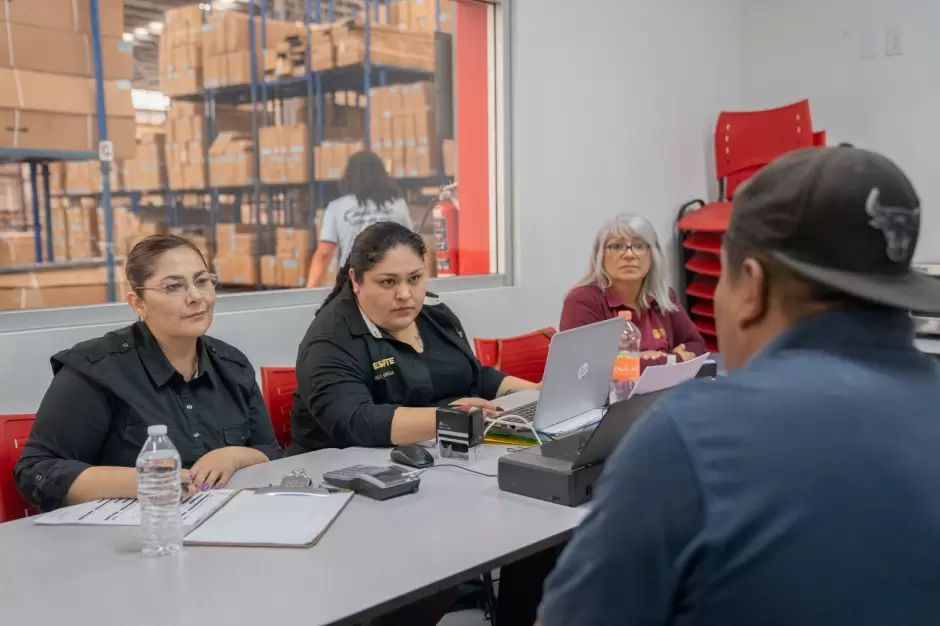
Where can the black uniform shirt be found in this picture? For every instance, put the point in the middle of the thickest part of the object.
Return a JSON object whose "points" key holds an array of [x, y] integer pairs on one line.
{"points": [[451, 370], [352, 376], [107, 391]]}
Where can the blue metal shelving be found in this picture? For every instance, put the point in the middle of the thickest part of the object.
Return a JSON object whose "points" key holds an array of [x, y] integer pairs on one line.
{"points": [[312, 85], [37, 158]]}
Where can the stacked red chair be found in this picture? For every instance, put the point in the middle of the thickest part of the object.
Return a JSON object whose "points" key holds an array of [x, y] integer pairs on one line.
{"points": [[745, 141], [14, 431]]}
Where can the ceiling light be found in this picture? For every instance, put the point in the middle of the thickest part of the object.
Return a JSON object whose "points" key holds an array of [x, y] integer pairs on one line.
{"points": [[156, 27], [140, 31], [127, 37]]}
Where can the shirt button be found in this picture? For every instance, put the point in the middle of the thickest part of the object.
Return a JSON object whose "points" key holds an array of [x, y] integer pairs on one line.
{"points": [[189, 407], [38, 477], [124, 345], [196, 435]]}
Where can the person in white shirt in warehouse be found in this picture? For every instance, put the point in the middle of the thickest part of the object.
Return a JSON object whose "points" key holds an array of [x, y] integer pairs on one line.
{"points": [[369, 196]]}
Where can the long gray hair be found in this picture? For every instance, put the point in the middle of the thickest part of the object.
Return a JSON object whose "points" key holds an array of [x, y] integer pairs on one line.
{"points": [[656, 283]]}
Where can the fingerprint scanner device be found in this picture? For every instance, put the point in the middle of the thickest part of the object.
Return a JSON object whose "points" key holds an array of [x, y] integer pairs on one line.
{"points": [[564, 471], [460, 433], [378, 483]]}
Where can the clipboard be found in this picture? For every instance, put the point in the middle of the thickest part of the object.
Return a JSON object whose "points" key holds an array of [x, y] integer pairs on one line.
{"points": [[259, 520]]}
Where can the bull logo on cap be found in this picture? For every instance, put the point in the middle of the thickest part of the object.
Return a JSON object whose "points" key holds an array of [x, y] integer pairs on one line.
{"points": [[899, 225]]}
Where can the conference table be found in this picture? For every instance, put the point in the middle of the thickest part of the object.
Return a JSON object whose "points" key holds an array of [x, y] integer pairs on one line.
{"points": [[377, 556]]}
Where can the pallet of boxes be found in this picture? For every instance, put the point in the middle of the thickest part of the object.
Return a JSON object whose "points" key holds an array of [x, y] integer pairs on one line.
{"points": [[180, 51], [226, 47], [236, 254], [48, 103], [287, 267]]}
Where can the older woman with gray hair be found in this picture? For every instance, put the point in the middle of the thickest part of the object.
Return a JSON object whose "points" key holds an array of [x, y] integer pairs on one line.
{"points": [[628, 272]]}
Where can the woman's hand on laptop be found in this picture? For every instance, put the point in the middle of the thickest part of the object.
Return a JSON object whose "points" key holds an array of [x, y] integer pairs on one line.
{"points": [[651, 355], [479, 403]]}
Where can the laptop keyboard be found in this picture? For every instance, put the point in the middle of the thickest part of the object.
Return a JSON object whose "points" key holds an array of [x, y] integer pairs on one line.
{"points": [[526, 412]]}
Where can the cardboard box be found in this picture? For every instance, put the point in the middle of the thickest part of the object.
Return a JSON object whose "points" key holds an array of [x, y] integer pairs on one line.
{"points": [[231, 160], [17, 248], [110, 17], [57, 288], [213, 72], [296, 153], [420, 162], [292, 273], [450, 157], [237, 69], [236, 270], [293, 243], [272, 155], [34, 114], [269, 273], [54, 14], [61, 52], [236, 239]]}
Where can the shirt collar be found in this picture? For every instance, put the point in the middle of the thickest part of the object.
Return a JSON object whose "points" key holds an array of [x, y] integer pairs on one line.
{"points": [[614, 301], [843, 331], [368, 327], [158, 366]]}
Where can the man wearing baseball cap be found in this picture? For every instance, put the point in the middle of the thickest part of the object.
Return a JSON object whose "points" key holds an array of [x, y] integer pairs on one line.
{"points": [[802, 489]]}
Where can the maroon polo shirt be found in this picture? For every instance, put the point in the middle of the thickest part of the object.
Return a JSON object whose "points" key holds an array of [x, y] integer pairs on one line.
{"points": [[659, 331]]}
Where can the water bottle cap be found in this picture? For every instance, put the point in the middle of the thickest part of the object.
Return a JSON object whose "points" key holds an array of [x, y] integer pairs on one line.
{"points": [[156, 431], [627, 315]]}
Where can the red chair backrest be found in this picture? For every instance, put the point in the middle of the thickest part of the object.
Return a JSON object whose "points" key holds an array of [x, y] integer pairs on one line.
{"points": [[277, 386], [14, 431], [745, 141], [523, 356]]}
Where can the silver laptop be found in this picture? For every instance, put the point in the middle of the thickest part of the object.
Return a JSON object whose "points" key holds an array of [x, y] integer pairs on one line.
{"points": [[576, 384]]}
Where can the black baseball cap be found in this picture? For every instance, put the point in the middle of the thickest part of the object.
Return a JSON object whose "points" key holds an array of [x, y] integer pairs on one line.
{"points": [[842, 217]]}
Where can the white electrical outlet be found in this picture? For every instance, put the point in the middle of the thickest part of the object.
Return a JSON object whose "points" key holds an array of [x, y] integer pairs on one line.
{"points": [[868, 43], [894, 42]]}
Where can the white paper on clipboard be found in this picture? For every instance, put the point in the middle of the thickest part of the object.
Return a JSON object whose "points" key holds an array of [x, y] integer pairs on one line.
{"points": [[250, 519], [658, 377]]}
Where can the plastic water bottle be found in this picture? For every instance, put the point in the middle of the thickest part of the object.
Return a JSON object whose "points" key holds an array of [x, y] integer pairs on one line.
{"points": [[158, 491], [627, 365]]}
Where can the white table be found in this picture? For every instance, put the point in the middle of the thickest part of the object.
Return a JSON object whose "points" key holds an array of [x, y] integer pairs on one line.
{"points": [[377, 556]]}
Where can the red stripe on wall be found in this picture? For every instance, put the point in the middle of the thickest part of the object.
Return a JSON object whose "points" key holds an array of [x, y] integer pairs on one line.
{"points": [[473, 150]]}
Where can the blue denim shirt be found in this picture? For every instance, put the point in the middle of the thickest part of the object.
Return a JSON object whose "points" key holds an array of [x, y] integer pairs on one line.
{"points": [[801, 490]]}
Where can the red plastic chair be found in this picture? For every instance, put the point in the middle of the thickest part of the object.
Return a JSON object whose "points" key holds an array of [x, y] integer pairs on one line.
{"points": [[14, 431], [277, 386], [523, 356], [746, 141]]}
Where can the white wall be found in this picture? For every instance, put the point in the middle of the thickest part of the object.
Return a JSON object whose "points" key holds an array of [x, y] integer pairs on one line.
{"points": [[813, 49], [614, 102]]}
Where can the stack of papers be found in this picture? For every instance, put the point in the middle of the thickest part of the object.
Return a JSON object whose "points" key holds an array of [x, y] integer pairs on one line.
{"points": [[126, 511], [658, 377]]}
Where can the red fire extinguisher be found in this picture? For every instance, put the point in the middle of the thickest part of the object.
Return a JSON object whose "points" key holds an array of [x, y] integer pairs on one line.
{"points": [[445, 233]]}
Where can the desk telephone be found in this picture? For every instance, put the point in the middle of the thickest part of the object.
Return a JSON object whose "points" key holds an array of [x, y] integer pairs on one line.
{"points": [[378, 483]]}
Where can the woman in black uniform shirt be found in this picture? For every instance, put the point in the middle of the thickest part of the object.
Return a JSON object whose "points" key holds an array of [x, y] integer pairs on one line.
{"points": [[382, 353], [379, 357], [93, 419]]}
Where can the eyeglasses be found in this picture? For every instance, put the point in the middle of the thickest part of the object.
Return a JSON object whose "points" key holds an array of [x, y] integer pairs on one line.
{"points": [[205, 284], [622, 248]]}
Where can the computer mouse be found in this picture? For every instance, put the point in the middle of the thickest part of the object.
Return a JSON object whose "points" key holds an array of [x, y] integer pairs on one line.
{"points": [[412, 455]]}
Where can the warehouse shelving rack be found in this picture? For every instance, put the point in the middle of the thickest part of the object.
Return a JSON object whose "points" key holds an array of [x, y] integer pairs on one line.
{"points": [[258, 93], [41, 158], [312, 85]]}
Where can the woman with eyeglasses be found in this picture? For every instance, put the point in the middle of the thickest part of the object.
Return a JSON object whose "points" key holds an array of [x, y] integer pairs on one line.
{"points": [[163, 369], [627, 272]]}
